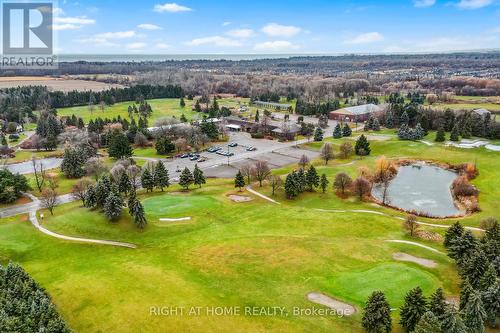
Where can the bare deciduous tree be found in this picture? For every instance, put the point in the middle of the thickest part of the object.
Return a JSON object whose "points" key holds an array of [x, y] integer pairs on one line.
{"points": [[304, 160], [246, 171], [95, 167], [40, 174], [361, 187], [327, 152], [261, 171], [49, 199], [276, 183], [342, 182], [79, 190], [411, 224]]}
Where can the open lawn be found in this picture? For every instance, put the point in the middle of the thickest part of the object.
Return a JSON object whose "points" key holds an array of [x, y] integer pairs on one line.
{"points": [[252, 254]]}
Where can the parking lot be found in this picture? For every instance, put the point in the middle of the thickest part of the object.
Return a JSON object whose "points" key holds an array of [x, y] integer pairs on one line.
{"points": [[277, 154]]}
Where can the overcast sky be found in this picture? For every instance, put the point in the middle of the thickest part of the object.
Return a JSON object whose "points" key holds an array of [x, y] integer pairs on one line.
{"points": [[275, 26]]}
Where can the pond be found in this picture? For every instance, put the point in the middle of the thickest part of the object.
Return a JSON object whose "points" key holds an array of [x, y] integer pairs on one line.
{"points": [[422, 188]]}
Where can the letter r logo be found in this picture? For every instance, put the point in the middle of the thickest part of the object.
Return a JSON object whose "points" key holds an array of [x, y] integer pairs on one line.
{"points": [[27, 28]]}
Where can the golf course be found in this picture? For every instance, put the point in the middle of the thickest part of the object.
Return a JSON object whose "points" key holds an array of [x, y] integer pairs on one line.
{"points": [[251, 254]]}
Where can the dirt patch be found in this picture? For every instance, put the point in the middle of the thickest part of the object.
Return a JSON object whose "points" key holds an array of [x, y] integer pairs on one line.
{"points": [[332, 303], [177, 193], [239, 198], [429, 235], [420, 261]]}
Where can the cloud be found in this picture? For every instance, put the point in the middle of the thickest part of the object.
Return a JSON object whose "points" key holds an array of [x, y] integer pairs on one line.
{"points": [[136, 46], [496, 30], [162, 46], [149, 26], [275, 30], [275, 46], [68, 26], [58, 11], [171, 8], [240, 33], [214, 40], [424, 3], [97, 41], [225, 24], [116, 35], [71, 23], [369, 37], [74, 20], [473, 4]]}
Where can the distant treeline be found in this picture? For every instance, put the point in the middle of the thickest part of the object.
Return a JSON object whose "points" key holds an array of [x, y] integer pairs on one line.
{"points": [[24, 305], [16, 103], [316, 109]]}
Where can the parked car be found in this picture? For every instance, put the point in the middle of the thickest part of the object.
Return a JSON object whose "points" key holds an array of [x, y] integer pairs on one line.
{"points": [[194, 158], [184, 155], [233, 144], [203, 159], [251, 148]]}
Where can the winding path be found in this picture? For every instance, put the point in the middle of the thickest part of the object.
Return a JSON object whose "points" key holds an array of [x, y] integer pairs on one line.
{"points": [[37, 225], [364, 211], [414, 244], [249, 189]]}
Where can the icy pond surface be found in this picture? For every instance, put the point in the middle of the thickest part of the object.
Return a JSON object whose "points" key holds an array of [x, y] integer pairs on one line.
{"points": [[422, 188]]}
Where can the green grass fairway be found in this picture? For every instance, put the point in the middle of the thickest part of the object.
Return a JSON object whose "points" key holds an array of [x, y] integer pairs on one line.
{"points": [[173, 205], [168, 107], [239, 254]]}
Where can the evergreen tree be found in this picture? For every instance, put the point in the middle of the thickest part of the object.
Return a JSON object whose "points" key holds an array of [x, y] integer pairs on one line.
{"points": [[389, 120], [239, 180], [72, 164], [182, 104], [454, 136], [291, 185], [404, 119], [186, 179], [488, 279], [362, 147], [312, 178], [3, 140], [377, 314], [197, 106], [453, 234], [474, 313], [337, 133], [147, 180], [437, 303], [318, 134], [164, 146], [323, 183], [465, 292], [451, 322], [161, 178], [491, 301], [474, 267], [462, 248], [103, 187], [183, 118], [301, 180], [376, 124], [428, 324], [132, 198], [257, 116], [113, 206], [440, 136], [124, 185], [198, 176], [346, 131], [139, 216], [413, 309], [119, 146], [91, 197]]}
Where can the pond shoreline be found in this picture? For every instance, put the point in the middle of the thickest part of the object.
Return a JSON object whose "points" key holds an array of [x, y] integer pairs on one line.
{"points": [[443, 165]]}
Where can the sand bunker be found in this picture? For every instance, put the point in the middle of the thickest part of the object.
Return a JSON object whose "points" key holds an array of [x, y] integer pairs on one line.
{"points": [[340, 307], [239, 198], [420, 261], [175, 220]]}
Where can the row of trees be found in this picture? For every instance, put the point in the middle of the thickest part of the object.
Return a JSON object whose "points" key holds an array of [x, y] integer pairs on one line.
{"points": [[24, 304]]}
